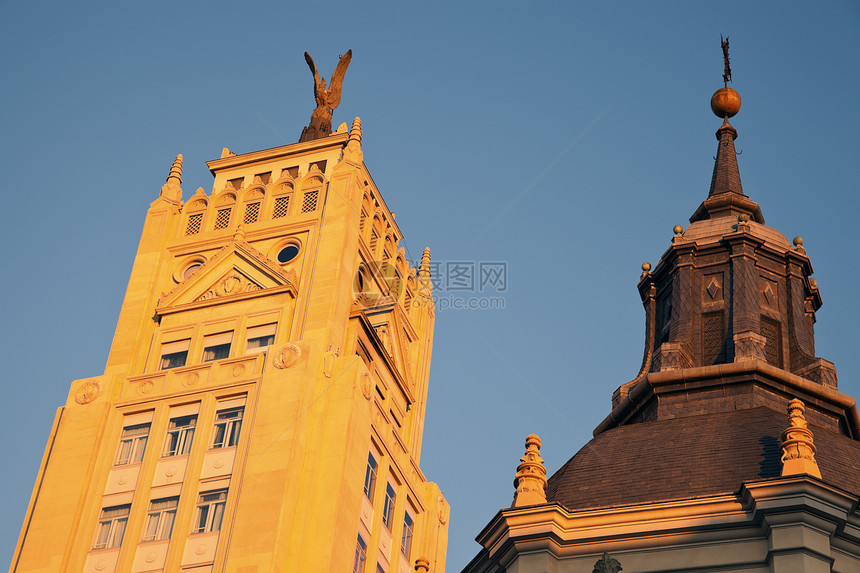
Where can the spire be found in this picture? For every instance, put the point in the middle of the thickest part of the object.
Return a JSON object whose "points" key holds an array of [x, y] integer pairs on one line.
{"points": [[531, 476], [726, 177], [352, 152], [171, 190], [798, 451], [726, 194], [425, 283]]}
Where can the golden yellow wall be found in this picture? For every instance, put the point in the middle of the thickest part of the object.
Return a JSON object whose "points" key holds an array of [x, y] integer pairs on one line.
{"points": [[347, 373]]}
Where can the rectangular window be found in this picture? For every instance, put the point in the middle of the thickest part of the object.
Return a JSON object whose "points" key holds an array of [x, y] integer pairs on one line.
{"points": [[282, 207], [210, 511], [260, 338], [408, 531], [228, 423], [159, 521], [388, 507], [370, 477], [132, 444], [222, 218], [309, 201], [252, 211], [217, 346], [360, 555], [111, 526], [174, 354], [180, 434], [195, 221]]}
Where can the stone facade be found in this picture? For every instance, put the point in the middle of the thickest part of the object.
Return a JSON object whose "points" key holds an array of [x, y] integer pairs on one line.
{"points": [[263, 402]]}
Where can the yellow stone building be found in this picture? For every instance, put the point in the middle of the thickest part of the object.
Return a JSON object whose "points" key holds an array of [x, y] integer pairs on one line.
{"points": [[263, 401]]}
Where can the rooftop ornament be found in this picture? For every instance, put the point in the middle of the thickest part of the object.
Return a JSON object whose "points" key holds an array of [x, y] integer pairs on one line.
{"points": [[327, 98]]}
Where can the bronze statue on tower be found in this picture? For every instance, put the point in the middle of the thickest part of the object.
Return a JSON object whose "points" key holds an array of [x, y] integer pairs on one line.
{"points": [[327, 98]]}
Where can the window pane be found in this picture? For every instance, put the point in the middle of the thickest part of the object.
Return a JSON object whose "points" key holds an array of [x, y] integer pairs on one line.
{"points": [[174, 360], [388, 508], [370, 477], [218, 352], [139, 448], [151, 527], [124, 453], [167, 524]]}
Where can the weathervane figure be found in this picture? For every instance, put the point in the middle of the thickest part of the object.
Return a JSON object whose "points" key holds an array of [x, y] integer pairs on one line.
{"points": [[727, 73], [327, 98]]}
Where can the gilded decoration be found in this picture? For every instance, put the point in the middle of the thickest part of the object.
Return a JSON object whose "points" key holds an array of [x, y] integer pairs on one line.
{"points": [[88, 392], [286, 356]]}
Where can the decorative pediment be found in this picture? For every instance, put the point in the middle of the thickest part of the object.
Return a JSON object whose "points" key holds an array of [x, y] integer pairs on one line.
{"points": [[237, 271]]}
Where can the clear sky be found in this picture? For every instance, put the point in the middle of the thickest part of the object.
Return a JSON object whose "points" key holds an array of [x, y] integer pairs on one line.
{"points": [[562, 139]]}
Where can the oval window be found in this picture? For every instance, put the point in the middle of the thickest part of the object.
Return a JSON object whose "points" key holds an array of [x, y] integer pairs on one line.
{"points": [[288, 253], [189, 270]]}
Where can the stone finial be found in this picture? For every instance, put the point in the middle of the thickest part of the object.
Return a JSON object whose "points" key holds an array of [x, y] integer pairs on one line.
{"points": [[607, 564], [239, 234], [352, 152], [171, 190], [422, 565], [355, 132], [798, 451], [646, 268], [677, 229], [530, 481], [176, 169], [424, 268]]}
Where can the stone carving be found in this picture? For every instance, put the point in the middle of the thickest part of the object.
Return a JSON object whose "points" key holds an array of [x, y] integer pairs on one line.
{"points": [[364, 383], [671, 356], [145, 387], [151, 556], [286, 356], [607, 564], [328, 361], [88, 392], [327, 98], [232, 284], [352, 152], [422, 565], [191, 379], [442, 510], [238, 370], [713, 288], [821, 371], [798, 451], [530, 481], [749, 345]]}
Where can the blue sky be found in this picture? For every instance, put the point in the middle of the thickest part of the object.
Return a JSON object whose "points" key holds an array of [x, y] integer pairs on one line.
{"points": [[563, 139]]}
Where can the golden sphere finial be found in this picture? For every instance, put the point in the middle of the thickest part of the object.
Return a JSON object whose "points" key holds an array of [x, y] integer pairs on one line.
{"points": [[646, 266], [798, 241], [725, 102], [677, 229]]}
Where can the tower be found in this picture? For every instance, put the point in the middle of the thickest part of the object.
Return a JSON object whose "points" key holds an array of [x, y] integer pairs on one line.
{"points": [[263, 401], [732, 449]]}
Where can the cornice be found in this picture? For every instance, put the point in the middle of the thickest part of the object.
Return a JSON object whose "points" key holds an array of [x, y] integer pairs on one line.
{"points": [[336, 140], [752, 370]]}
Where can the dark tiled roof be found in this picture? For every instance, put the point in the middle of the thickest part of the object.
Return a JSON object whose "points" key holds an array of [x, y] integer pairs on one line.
{"points": [[726, 177], [692, 457]]}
